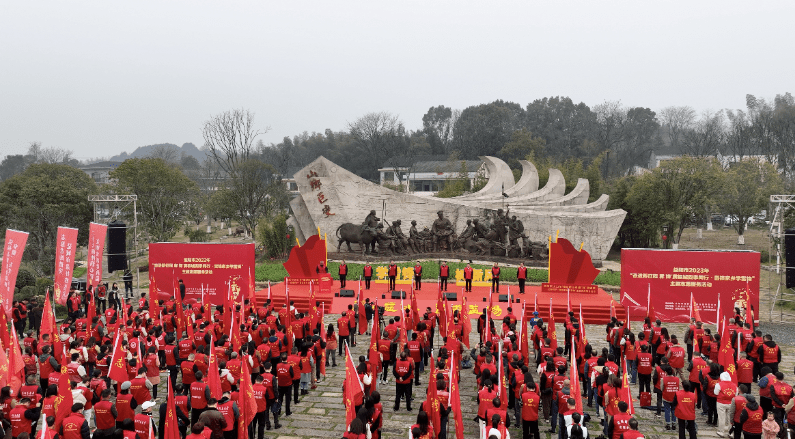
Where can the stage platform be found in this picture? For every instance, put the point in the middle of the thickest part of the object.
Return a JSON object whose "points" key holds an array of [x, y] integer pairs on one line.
{"points": [[595, 307]]}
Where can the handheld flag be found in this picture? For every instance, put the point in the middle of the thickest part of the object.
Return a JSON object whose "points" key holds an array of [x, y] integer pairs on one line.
{"points": [[553, 337], [171, 425]]}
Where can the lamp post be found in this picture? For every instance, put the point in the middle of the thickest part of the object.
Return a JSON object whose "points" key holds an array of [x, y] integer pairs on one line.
{"points": [[665, 236]]}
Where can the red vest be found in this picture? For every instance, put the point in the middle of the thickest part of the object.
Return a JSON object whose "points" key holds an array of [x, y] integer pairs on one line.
{"points": [[368, 271], [745, 370], [198, 397], [686, 405], [530, 404], [142, 422], [468, 273], [123, 408], [521, 273], [229, 414], [620, 424], [770, 354], [495, 272], [444, 271], [677, 360], [139, 390], [754, 423], [72, 426], [343, 269], [283, 374], [19, 423], [403, 367], [105, 419], [727, 391], [739, 405], [188, 376], [418, 270]]}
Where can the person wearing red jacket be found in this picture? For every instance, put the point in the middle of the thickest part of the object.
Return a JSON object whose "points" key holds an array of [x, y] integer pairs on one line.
{"points": [[444, 273], [468, 272], [368, 275], [415, 351], [530, 404], [417, 276], [685, 410], [633, 432], [521, 276], [404, 374], [285, 374], [23, 416], [343, 273], [392, 274], [343, 329], [495, 278], [75, 425], [751, 418]]}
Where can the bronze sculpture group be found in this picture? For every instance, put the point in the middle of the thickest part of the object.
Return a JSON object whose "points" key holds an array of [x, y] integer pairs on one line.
{"points": [[498, 237]]}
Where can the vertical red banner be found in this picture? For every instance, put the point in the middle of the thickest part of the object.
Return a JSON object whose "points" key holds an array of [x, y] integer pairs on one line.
{"points": [[96, 246], [65, 246], [12, 257]]}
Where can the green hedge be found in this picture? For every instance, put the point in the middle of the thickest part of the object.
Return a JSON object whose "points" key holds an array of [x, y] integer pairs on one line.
{"points": [[275, 272]]}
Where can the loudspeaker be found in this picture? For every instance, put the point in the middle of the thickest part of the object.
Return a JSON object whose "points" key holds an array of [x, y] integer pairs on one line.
{"points": [[117, 246], [503, 297], [397, 294], [451, 296], [789, 255], [346, 293]]}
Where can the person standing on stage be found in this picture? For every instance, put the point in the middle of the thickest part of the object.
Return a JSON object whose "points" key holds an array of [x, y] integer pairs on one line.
{"points": [[343, 273], [521, 275], [368, 274], [444, 273], [495, 278], [392, 273], [417, 276], [468, 278]]}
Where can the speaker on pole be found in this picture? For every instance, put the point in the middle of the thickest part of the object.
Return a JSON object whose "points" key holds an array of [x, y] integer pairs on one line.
{"points": [[117, 246]]}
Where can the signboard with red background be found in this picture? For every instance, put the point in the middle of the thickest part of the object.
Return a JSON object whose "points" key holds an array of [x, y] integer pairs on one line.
{"points": [[207, 266], [671, 275]]}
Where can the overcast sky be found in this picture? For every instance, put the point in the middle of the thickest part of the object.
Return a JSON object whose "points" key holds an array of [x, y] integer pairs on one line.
{"points": [[102, 77]]}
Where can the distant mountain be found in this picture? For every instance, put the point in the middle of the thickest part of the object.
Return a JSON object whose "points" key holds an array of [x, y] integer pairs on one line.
{"points": [[146, 151]]}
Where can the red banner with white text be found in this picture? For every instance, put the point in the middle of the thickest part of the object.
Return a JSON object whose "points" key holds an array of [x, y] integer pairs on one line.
{"points": [[212, 270], [668, 277], [12, 258], [96, 246], [65, 246]]}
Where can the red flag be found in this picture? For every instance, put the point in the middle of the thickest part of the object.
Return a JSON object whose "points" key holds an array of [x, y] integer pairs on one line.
{"points": [[95, 248], [65, 247], [568, 302], [612, 309], [441, 309], [16, 365], [5, 336], [117, 370], [63, 402], [362, 315], [372, 354], [450, 320], [252, 287], [415, 309], [154, 305], [626, 392], [92, 311], [524, 345], [434, 412], [402, 334], [171, 426], [4, 366], [213, 376], [235, 337], [649, 308], [583, 339], [247, 403], [455, 399], [352, 387], [503, 389], [696, 312], [726, 353], [47, 317], [553, 337], [465, 322], [12, 258], [629, 323], [574, 379]]}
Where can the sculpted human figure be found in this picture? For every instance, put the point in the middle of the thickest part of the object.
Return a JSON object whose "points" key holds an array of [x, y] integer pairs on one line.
{"points": [[401, 240], [442, 230], [468, 233], [414, 238], [515, 230], [480, 230]]}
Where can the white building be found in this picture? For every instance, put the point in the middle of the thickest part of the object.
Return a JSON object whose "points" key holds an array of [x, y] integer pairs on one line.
{"points": [[427, 177]]}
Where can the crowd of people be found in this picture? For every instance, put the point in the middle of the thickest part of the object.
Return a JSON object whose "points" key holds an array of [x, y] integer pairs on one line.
{"points": [[740, 390], [281, 348]]}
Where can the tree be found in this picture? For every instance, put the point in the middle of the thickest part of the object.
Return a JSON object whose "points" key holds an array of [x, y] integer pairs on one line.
{"points": [[676, 191], [610, 120], [42, 198], [706, 137], [382, 138], [746, 191], [522, 144], [484, 129], [437, 124], [642, 225], [563, 125], [165, 195], [641, 136], [13, 165], [254, 192], [677, 120], [229, 138]]}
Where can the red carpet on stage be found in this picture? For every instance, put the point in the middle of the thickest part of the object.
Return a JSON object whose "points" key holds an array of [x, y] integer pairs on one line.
{"points": [[595, 307]]}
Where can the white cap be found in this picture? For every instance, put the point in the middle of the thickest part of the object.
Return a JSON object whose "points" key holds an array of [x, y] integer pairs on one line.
{"points": [[147, 405]]}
